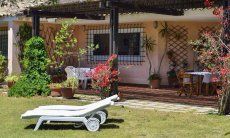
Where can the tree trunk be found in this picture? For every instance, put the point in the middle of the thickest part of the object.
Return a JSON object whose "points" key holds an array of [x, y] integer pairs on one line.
{"points": [[224, 107], [224, 104]]}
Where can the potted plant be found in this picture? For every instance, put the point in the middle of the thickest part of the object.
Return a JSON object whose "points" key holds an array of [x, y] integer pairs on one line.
{"points": [[154, 80], [55, 89], [68, 88], [11, 80], [172, 77]]}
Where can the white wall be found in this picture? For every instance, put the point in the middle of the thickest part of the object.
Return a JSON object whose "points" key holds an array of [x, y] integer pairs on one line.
{"points": [[13, 63]]}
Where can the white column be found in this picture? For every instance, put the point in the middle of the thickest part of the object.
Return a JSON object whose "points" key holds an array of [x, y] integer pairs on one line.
{"points": [[13, 63]]}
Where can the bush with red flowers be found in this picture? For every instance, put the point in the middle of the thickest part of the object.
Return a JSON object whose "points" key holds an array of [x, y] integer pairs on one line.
{"points": [[103, 75], [214, 53]]}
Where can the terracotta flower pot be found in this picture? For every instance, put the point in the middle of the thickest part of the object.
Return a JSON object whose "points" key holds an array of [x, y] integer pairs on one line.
{"points": [[67, 93], [10, 84], [55, 92], [155, 84]]}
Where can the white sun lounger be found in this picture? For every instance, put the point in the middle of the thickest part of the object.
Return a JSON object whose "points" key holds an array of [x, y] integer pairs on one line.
{"points": [[87, 116], [103, 113], [73, 108]]}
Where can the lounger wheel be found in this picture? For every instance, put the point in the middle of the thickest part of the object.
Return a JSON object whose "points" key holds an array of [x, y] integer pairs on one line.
{"points": [[103, 116], [106, 112], [78, 125], [92, 124]]}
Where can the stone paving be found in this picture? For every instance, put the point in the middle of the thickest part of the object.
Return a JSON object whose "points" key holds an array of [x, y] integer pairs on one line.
{"points": [[165, 95], [150, 105], [158, 106]]}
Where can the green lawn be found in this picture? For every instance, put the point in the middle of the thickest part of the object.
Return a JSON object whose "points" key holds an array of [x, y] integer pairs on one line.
{"points": [[123, 122]]}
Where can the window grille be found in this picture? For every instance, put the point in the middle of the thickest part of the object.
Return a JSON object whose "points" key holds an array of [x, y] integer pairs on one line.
{"points": [[4, 42], [130, 41]]}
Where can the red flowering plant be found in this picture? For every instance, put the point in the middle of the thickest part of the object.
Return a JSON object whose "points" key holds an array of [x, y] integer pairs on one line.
{"points": [[213, 51], [103, 75]]}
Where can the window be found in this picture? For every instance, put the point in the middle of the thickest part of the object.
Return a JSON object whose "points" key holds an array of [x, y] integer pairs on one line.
{"points": [[4, 42], [129, 45]]}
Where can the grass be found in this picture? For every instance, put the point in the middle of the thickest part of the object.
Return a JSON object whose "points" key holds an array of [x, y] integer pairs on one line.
{"points": [[122, 123]]}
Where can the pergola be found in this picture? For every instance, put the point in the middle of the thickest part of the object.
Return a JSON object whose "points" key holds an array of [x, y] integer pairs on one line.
{"points": [[97, 10]]}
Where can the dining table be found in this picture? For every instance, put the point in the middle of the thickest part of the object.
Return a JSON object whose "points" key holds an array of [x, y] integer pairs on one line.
{"points": [[203, 77]]}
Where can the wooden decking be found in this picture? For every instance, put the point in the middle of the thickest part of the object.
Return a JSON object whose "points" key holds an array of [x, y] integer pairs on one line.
{"points": [[161, 95]]}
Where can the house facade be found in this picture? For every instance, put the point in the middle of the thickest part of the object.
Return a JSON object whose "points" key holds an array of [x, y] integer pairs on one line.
{"points": [[133, 29]]}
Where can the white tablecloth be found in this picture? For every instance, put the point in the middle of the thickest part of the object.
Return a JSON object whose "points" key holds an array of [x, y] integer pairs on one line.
{"points": [[206, 78]]}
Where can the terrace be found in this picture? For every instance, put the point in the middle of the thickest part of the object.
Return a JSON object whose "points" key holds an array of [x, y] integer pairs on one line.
{"points": [[164, 95]]}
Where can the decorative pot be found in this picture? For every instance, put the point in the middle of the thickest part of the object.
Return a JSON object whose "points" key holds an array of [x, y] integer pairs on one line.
{"points": [[67, 93], [55, 79], [55, 92], [155, 84], [10, 84]]}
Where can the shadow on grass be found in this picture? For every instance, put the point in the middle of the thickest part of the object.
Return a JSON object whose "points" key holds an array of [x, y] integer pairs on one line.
{"points": [[228, 133], [113, 120], [63, 126], [52, 127]]}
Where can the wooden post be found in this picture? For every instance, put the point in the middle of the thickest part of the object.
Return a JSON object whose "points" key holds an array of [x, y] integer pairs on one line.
{"points": [[114, 21], [35, 24]]}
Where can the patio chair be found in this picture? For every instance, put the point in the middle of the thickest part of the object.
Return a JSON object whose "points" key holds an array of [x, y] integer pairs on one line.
{"points": [[103, 114], [186, 85], [79, 73], [87, 117]]}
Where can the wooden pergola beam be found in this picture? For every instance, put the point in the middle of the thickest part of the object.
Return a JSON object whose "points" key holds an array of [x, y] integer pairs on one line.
{"points": [[65, 15], [172, 4], [145, 8]]}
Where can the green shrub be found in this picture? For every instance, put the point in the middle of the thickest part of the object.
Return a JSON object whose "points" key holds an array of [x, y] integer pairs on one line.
{"points": [[3, 67], [34, 80], [26, 87], [12, 78]]}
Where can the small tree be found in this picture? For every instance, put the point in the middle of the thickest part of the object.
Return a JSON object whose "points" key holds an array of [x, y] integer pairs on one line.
{"points": [[65, 42]]}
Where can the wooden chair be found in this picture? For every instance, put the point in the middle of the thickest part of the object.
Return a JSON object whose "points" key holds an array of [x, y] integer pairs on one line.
{"points": [[186, 84], [215, 86]]}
